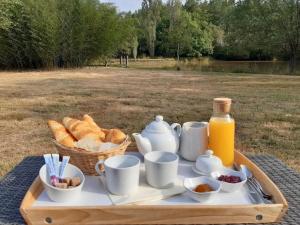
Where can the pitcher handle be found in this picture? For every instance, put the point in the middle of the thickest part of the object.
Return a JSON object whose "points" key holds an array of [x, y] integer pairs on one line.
{"points": [[177, 128], [100, 162]]}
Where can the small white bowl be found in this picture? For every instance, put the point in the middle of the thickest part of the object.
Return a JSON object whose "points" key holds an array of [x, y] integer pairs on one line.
{"points": [[191, 183], [230, 187], [59, 194]]}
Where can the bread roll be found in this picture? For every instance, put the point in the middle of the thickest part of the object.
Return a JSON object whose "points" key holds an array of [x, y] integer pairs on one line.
{"points": [[94, 126], [91, 122], [60, 133], [80, 129], [105, 131], [88, 144], [115, 136]]}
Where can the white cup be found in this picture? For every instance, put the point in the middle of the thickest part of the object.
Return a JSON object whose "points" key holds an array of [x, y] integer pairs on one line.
{"points": [[161, 168], [193, 140], [121, 174]]}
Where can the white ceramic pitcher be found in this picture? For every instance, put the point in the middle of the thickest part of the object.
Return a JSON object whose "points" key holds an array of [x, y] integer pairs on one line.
{"points": [[193, 140]]}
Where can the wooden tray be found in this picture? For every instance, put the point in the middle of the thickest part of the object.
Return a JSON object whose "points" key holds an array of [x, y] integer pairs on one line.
{"points": [[159, 214]]}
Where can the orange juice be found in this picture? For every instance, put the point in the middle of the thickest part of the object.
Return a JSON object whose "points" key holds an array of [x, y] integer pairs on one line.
{"points": [[221, 139], [221, 131]]}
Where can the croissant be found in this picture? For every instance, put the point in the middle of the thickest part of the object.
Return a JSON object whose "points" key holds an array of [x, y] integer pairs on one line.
{"points": [[60, 133], [115, 136], [80, 129], [94, 126], [105, 131]]}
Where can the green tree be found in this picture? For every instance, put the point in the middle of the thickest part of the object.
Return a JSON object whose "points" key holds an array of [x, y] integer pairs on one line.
{"points": [[283, 22], [205, 34], [135, 46], [151, 16], [47, 33], [109, 35], [179, 33], [257, 29], [129, 40], [43, 24], [16, 36]]}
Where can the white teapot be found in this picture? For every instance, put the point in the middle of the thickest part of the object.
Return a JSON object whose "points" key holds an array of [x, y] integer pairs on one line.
{"points": [[158, 136]]}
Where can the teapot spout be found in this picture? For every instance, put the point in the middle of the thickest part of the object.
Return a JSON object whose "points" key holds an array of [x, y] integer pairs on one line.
{"points": [[143, 144]]}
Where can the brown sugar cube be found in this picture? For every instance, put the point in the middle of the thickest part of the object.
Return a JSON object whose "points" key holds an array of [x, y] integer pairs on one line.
{"points": [[62, 185], [66, 180], [75, 181]]}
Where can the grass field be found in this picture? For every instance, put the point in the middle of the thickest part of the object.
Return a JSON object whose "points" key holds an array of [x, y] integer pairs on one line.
{"points": [[266, 107]]}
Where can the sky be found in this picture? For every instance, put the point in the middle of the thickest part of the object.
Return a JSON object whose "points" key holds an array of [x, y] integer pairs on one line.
{"points": [[126, 5]]}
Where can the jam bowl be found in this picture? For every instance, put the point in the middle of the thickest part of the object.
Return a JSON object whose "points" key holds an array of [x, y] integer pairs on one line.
{"points": [[191, 184], [230, 180]]}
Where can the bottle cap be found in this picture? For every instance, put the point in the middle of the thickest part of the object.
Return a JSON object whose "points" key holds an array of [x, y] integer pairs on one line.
{"points": [[222, 104]]}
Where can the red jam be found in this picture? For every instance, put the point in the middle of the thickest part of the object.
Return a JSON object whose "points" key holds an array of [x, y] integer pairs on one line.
{"points": [[229, 179]]}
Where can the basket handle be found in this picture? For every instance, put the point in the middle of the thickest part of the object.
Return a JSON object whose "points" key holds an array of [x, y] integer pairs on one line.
{"points": [[100, 162]]}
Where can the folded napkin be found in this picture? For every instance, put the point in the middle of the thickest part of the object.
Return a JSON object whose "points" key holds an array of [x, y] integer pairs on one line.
{"points": [[146, 193]]}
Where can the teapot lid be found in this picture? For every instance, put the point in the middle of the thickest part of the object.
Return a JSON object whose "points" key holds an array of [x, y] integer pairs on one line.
{"points": [[158, 125], [208, 162]]}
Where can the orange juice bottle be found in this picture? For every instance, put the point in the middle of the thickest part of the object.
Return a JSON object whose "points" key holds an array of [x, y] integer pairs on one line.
{"points": [[221, 131]]}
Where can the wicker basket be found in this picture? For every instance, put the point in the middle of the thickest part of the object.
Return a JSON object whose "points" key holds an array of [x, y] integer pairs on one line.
{"points": [[85, 160]]}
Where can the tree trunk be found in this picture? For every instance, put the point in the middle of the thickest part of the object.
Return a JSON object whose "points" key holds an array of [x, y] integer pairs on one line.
{"points": [[178, 55], [134, 53], [178, 52], [152, 48], [152, 39], [292, 62], [135, 48]]}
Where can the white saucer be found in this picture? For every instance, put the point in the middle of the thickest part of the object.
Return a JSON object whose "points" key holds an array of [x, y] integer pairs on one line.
{"points": [[198, 171]]}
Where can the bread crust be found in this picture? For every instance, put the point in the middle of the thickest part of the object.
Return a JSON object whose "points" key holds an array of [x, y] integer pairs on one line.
{"points": [[94, 126], [115, 136], [61, 134], [80, 129]]}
